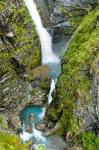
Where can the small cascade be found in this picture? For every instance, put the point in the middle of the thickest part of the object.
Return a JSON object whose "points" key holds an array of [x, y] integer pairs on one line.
{"points": [[39, 136], [36, 135], [25, 136], [52, 87]]}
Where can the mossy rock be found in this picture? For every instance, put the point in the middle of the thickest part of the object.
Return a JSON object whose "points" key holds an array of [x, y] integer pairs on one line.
{"points": [[15, 18], [76, 79], [89, 141], [11, 142]]}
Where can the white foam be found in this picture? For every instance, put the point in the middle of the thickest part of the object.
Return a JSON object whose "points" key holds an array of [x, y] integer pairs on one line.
{"points": [[52, 87], [39, 136], [41, 115], [36, 134], [26, 136]]}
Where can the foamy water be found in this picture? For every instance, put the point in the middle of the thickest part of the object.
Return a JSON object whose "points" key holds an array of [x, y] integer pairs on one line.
{"points": [[41, 115], [36, 134]]}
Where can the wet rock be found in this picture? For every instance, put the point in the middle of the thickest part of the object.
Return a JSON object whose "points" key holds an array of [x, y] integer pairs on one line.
{"points": [[17, 96], [2, 109], [19, 68], [6, 90], [50, 125], [30, 130], [41, 127], [57, 16], [42, 7], [14, 122], [76, 148], [3, 79]]}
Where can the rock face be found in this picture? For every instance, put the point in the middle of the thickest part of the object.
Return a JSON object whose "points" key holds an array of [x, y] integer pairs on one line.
{"points": [[56, 23], [17, 93], [19, 54], [61, 28], [57, 16], [43, 9], [75, 108]]}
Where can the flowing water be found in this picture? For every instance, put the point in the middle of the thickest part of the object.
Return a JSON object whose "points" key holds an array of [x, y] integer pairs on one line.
{"points": [[48, 56], [36, 135], [53, 61], [45, 38]]}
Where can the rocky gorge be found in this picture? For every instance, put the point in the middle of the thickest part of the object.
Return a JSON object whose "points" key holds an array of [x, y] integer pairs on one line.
{"points": [[74, 111]]}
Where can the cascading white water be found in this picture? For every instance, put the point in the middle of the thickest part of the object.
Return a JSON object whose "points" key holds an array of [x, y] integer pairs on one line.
{"points": [[48, 57], [41, 116], [46, 42], [52, 87], [37, 135]]}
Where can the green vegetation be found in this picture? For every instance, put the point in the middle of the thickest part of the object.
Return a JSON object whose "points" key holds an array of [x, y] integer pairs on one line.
{"points": [[11, 142], [76, 11], [41, 147], [25, 43], [89, 141], [75, 83], [3, 124]]}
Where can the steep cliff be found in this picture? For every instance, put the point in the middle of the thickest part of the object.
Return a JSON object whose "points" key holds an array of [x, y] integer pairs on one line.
{"points": [[19, 54], [75, 109]]}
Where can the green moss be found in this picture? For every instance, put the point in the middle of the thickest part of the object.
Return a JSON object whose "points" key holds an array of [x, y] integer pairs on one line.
{"points": [[44, 84], [41, 147], [75, 81], [89, 141], [3, 124], [76, 11], [25, 44], [11, 142]]}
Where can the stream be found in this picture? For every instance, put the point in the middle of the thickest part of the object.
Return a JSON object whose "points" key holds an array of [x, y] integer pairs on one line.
{"points": [[34, 115]]}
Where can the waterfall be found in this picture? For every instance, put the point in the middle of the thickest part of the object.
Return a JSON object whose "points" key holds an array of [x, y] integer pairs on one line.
{"points": [[48, 58], [48, 55], [46, 41]]}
